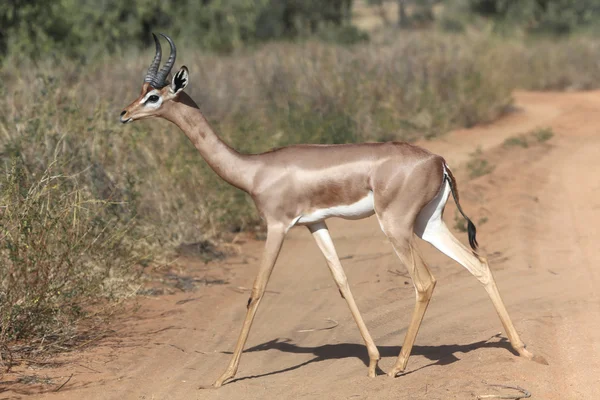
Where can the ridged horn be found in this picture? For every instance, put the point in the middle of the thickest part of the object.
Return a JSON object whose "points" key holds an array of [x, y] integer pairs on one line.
{"points": [[162, 74], [151, 75]]}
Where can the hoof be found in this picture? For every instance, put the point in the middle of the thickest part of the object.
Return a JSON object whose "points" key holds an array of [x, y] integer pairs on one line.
{"points": [[528, 355], [219, 382], [227, 375]]}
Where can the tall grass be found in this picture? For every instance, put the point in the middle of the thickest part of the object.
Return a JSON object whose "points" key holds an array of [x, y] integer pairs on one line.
{"points": [[84, 198], [62, 251], [560, 64], [68, 234]]}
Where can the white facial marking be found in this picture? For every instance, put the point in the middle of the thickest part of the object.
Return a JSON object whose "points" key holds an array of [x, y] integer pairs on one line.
{"points": [[150, 93], [361, 209], [150, 104]]}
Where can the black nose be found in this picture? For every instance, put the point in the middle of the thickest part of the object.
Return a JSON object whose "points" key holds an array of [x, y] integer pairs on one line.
{"points": [[124, 120]]}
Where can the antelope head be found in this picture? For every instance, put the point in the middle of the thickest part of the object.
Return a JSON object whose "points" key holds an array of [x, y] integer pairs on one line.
{"points": [[157, 92]]}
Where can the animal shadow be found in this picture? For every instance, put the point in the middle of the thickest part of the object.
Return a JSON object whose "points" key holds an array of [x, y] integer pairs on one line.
{"points": [[439, 355]]}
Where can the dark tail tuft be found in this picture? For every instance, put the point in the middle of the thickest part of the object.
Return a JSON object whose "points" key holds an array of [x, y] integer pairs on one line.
{"points": [[471, 230]]}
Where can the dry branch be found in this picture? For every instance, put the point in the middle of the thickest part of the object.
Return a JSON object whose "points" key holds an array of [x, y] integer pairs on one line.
{"points": [[335, 324], [525, 394]]}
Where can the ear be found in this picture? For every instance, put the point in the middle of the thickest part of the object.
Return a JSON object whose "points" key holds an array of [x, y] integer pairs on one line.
{"points": [[180, 80]]}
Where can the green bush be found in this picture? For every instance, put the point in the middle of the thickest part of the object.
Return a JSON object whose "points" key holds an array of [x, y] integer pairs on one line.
{"points": [[516, 141], [477, 165], [541, 16], [345, 35], [86, 28]]}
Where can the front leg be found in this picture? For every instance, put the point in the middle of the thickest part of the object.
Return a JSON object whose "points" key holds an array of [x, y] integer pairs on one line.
{"points": [[275, 235], [323, 239]]}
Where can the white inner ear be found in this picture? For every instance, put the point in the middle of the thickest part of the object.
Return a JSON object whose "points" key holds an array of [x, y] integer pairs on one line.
{"points": [[152, 105]]}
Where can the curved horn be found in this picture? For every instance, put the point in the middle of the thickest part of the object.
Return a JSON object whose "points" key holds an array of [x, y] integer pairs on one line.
{"points": [[151, 75], [162, 74]]}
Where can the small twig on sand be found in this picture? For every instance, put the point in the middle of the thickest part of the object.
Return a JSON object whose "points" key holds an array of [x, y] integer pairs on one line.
{"points": [[170, 344], [335, 323], [524, 393], [80, 345], [65, 382], [180, 302], [398, 273], [242, 289], [177, 347], [91, 369]]}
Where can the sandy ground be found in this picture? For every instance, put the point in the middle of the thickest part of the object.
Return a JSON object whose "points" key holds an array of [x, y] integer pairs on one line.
{"points": [[538, 211]]}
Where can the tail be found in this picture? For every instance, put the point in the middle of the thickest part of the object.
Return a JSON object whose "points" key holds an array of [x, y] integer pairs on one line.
{"points": [[471, 230]]}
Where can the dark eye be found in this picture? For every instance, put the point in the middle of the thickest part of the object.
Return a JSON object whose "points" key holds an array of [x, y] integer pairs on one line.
{"points": [[153, 98]]}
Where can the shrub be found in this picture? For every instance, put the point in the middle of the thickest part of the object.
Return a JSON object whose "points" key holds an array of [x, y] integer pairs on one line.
{"points": [[68, 230], [62, 250], [540, 16], [567, 63], [543, 134], [478, 166], [523, 140], [520, 141], [83, 29]]}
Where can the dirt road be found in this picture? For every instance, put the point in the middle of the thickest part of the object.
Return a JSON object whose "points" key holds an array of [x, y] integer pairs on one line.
{"points": [[538, 212]]}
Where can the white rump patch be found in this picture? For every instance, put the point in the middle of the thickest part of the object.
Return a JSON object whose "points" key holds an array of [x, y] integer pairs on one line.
{"points": [[429, 219], [361, 209]]}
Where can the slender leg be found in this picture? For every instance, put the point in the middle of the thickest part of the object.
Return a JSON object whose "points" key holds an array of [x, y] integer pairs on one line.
{"points": [[323, 239], [400, 234], [424, 283], [275, 235], [438, 235]]}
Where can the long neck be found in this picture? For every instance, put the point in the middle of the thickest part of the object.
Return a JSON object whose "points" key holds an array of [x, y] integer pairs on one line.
{"points": [[235, 168]]}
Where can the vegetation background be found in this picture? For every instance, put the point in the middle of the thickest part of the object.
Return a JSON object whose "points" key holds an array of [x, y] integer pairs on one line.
{"points": [[88, 206]]}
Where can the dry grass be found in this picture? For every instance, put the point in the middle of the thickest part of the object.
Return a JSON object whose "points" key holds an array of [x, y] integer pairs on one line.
{"points": [[62, 252], [555, 64]]}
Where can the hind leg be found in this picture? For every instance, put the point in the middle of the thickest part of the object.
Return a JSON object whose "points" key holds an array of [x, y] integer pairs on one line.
{"points": [[423, 281], [430, 227], [443, 240]]}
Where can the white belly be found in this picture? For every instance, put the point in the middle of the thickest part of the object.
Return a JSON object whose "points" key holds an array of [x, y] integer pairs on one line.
{"points": [[361, 209]]}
